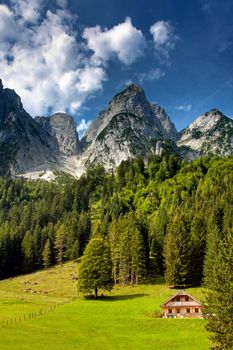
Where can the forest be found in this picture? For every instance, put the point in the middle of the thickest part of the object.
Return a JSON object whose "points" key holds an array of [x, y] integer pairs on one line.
{"points": [[160, 217]]}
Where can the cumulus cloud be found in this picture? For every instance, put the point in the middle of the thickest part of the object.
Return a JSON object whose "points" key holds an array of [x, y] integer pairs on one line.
{"points": [[164, 37], [42, 59], [54, 69], [123, 41], [154, 74], [8, 26], [184, 107], [27, 10], [82, 127], [47, 66]]}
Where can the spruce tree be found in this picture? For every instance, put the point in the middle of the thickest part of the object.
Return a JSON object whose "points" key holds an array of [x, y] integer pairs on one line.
{"points": [[60, 244], [177, 252], [219, 299], [95, 270], [46, 255]]}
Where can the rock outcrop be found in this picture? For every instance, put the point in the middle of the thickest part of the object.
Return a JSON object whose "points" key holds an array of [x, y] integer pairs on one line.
{"points": [[209, 134], [64, 129], [23, 143], [129, 127]]}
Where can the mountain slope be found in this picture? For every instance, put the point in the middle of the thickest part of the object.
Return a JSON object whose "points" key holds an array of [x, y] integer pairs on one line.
{"points": [[211, 133], [130, 127], [24, 144], [63, 127], [169, 129]]}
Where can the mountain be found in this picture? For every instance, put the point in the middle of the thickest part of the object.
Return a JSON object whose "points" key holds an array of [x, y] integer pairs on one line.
{"points": [[64, 129], [130, 126], [209, 134], [24, 144], [169, 129]]}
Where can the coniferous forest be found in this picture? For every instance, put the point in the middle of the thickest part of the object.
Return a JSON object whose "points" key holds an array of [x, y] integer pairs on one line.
{"points": [[164, 217]]}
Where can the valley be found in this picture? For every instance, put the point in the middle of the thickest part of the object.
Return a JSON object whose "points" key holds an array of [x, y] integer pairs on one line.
{"points": [[123, 319]]}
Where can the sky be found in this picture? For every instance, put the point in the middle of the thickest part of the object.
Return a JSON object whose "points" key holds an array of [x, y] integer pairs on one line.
{"points": [[75, 55]]}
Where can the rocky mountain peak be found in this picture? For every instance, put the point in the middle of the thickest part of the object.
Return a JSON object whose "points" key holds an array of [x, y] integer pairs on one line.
{"points": [[169, 129], [64, 129], [23, 143], [131, 101], [210, 133]]}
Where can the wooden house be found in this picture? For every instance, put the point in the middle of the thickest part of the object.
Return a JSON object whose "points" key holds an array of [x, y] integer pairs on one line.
{"points": [[182, 305]]}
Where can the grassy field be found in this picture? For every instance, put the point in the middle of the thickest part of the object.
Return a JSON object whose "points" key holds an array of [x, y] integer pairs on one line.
{"points": [[42, 311]]}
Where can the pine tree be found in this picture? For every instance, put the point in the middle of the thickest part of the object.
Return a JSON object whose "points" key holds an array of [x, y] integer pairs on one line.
{"points": [[46, 255], [28, 252], [95, 270], [60, 244], [219, 299], [113, 235], [198, 247], [177, 252]]}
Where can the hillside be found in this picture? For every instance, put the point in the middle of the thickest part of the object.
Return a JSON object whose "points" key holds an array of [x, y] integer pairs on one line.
{"points": [[125, 318]]}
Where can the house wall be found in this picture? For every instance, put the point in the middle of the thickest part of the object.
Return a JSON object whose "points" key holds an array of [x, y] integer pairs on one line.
{"points": [[183, 312]]}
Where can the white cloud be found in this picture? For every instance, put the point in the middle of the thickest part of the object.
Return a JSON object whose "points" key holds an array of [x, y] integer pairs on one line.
{"points": [[124, 41], [41, 58], [62, 3], [48, 68], [82, 127], [184, 107], [154, 74], [28, 10], [164, 37], [8, 26]]}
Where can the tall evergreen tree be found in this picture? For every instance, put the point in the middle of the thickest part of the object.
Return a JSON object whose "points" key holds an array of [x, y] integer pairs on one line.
{"points": [[95, 270], [177, 252], [219, 299], [46, 255]]}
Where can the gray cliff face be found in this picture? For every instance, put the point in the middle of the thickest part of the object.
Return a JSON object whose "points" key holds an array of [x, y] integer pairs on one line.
{"points": [[23, 143], [128, 128], [63, 128], [211, 133], [169, 129], [131, 100]]}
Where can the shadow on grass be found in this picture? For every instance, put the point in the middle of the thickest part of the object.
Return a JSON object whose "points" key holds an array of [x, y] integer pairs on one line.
{"points": [[116, 297]]}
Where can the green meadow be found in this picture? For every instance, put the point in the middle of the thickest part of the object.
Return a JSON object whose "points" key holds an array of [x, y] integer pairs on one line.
{"points": [[42, 311]]}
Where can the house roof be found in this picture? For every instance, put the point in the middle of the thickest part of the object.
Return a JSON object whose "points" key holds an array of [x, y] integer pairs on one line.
{"points": [[182, 303], [169, 302]]}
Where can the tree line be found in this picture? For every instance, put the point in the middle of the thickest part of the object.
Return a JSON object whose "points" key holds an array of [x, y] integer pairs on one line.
{"points": [[164, 216]]}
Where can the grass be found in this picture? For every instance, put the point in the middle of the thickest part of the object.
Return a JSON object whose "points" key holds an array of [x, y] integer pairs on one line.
{"points": [[123, 319]]}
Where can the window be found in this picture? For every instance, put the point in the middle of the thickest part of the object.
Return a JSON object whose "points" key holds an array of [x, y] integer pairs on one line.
{"points": [[186, 298], [178, 299], [188, 311], [170, 311], [196, 310], [178, 311]]}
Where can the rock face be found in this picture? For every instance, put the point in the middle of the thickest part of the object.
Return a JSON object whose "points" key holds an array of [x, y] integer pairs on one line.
{"points": [[169, 129], [63, 128], [130, 127], [132, 100], [209, 134], [23, 143]]}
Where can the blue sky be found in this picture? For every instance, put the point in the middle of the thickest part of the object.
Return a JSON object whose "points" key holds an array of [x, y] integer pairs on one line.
{"points": [[75, 56]]}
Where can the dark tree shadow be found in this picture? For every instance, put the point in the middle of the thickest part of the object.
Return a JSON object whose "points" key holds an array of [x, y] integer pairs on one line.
{"points": [[117, 297]]}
